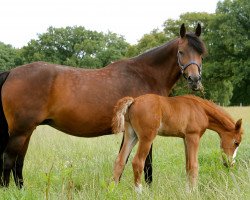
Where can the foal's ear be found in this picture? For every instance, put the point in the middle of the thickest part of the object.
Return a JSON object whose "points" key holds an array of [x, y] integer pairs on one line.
{"points": [[182, 31], [238, 124], [198, 30]]}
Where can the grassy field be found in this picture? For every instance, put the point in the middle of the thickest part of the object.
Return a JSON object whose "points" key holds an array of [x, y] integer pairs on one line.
{"points": [[59, 166]]}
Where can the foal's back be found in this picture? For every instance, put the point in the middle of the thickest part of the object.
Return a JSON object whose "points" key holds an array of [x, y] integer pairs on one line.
{"points": [[168, 116]]}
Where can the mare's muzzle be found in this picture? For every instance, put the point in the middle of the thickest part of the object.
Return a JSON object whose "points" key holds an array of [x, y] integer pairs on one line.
{"points": [[194, 80]]}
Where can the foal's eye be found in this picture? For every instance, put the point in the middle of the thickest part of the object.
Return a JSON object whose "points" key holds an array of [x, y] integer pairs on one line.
{"points": [[236, 143]]}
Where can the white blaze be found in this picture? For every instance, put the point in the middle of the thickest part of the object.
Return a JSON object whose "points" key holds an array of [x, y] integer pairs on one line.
{"points": [[235, 152]]}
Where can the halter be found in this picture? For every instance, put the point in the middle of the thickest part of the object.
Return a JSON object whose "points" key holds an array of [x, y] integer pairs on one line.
{"points": [[184, 67]]}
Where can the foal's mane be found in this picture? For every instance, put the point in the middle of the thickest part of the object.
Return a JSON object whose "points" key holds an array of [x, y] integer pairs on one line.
{"points": [[214, 111]]}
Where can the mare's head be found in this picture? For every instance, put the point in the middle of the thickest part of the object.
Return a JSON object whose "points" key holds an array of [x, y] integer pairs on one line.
{"points": [[230, 142], [190, 52]]}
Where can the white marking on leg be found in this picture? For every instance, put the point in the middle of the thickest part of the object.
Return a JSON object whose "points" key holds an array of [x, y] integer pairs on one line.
{"points": [[138, 189]]}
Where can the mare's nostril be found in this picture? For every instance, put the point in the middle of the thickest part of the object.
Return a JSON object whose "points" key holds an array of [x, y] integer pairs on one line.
{"points": [[194, 79]]}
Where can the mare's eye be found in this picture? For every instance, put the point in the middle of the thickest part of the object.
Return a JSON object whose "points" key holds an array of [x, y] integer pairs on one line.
{"points": [[180, 52]]}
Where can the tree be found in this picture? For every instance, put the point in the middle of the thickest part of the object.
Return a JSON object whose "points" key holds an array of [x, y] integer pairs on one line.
{"points": [[9, 57], [229, 46], [76, 46]]}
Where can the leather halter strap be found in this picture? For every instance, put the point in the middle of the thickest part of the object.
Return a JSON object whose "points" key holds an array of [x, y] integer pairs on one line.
{"points": [[185, 66]]}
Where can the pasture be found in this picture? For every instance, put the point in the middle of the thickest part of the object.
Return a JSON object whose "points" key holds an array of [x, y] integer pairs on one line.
{"points": [[59, 166]]}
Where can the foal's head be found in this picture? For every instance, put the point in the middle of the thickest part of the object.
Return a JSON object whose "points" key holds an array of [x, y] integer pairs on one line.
{"points": [[190, 52], [230, 142]]}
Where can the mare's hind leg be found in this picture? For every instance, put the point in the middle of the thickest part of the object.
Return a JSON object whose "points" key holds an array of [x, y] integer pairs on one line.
{"points": [[3, 143], [148, 168], [14, 147], [18, 167], [130, 139]]}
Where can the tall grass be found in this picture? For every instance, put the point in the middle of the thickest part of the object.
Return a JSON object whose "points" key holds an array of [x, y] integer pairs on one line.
{"points": [[59, 166]]}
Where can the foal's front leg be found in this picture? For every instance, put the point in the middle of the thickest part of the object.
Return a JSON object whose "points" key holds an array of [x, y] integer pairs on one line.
{"points": [[191, 149]]}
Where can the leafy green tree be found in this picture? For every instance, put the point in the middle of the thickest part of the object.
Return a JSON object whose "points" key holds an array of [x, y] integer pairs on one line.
{"points": [[229, 47], [190, 19], [76, 46], [9, 57]]}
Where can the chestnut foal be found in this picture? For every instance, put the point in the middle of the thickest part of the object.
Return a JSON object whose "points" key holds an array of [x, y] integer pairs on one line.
{"points": [[187, 117]]}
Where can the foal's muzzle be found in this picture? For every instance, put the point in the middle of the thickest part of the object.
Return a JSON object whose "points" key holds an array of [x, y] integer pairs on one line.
{"points": [[228, 161]]}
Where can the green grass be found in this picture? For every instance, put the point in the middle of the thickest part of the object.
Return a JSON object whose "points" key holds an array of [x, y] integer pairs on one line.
{"points": [[59, 166]]}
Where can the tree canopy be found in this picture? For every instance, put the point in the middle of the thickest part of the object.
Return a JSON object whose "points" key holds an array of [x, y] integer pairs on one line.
{"points": [[8, 57], [76, 46]]}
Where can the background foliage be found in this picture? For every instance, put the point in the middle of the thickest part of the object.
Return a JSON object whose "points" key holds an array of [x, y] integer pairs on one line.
{"points": [[226, 72]]}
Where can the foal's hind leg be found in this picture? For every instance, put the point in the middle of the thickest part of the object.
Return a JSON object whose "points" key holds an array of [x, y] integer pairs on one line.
{"points": [[148, 168], [139, 161], [130, 139], [18, 167], [14, 147]]}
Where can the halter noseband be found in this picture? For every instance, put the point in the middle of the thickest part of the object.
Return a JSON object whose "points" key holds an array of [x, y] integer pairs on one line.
{"points": [[184, 67]]}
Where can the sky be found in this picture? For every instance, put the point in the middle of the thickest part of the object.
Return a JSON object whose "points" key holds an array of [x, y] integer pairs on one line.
{"points": [[23, 20]]}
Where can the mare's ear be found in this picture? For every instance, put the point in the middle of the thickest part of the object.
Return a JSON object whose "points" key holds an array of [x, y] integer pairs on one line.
{"points": [[198, 30], [182, 30], [238, 124]]}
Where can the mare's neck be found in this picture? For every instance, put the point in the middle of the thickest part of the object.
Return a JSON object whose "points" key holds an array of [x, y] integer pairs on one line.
{"points": [[160, 64]]}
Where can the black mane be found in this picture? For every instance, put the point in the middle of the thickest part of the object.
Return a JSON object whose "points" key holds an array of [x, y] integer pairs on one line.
{"points": [[196, 43]]}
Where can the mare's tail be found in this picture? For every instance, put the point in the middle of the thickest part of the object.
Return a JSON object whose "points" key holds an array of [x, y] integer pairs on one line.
{"points": [[4, 136], [120, 110]]}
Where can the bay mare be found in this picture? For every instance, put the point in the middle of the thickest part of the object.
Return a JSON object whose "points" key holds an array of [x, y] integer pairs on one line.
{"points": [[80, 102], [186, 117]]}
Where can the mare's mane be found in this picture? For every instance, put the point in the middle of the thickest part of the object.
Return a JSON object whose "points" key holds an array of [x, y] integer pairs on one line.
{"points": [[155, 50], [196, 43], [193, 41], [215, 111]]}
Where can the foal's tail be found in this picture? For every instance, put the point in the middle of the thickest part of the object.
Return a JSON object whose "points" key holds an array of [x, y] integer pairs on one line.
{"points": [[120, 110], [3, 123]]}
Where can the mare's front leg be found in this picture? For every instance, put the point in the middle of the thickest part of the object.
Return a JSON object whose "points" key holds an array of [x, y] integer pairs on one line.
{"points": [[15, 145], [191, 149]]}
